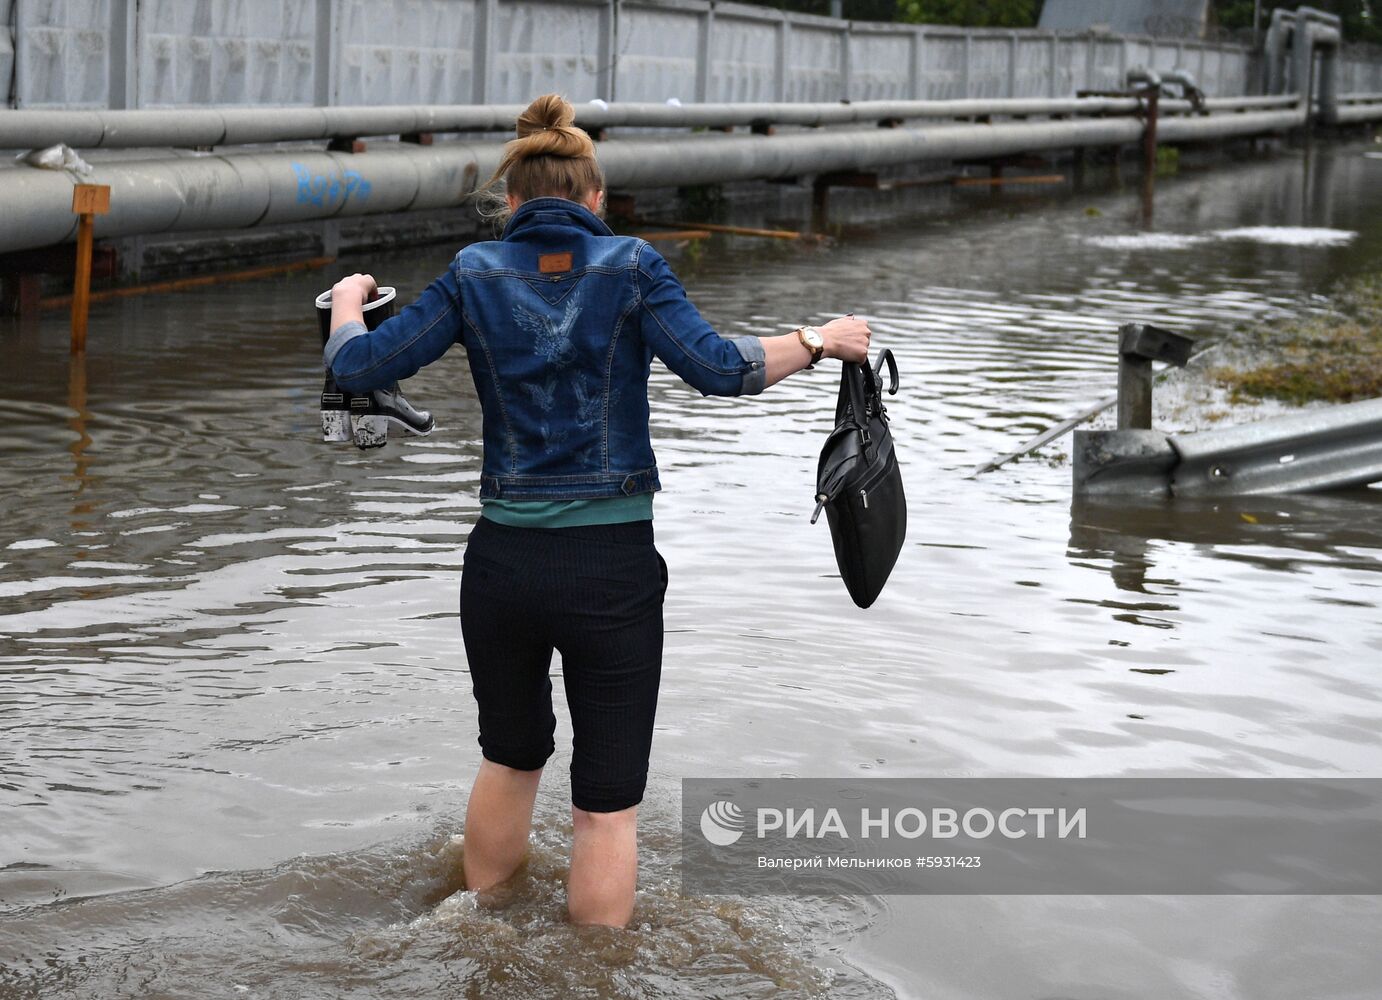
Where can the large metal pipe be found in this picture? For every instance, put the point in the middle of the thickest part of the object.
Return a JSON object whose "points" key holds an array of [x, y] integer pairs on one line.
{"points": [[1307, 29], [231, 191], [208, 127], [1274, 48], [1357, 114]]}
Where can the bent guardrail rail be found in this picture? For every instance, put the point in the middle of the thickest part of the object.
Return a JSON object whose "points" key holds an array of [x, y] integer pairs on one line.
{"points": [[1326, 449]]}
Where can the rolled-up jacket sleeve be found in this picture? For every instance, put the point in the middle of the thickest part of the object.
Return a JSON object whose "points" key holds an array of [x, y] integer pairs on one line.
{"points": [[679, 336], [361, 360]]}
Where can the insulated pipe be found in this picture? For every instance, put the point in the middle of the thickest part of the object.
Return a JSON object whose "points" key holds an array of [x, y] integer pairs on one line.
{"points": [[1355, 114], [187, 193], [1141, 74], [1274, 47], [1246, 103], [1310, 34], [1229, 126], [207, 127], [1308, 29]]}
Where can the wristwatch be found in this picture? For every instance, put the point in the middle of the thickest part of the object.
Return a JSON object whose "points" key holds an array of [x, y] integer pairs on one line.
{"points": [[812, 340]]}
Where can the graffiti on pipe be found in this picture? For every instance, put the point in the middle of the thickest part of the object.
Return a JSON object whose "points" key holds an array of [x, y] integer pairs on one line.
{"points": [[324, 189]]}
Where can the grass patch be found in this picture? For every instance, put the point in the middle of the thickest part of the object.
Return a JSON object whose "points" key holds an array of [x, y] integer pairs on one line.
{"points": [[1335, 356]]}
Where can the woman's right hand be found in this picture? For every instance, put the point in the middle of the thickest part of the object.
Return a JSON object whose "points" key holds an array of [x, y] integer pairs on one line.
{"points": [[355, 289], [846, 338]]}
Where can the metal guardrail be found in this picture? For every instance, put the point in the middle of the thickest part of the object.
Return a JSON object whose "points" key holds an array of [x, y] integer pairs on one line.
{"points": [[1326, 449]]}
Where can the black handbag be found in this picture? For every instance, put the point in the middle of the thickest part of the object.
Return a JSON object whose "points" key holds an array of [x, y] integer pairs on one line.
{"points": [[859, 484]]}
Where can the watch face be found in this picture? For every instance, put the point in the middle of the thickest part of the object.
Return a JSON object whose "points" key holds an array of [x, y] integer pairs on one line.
{"points": [[813, 337]]}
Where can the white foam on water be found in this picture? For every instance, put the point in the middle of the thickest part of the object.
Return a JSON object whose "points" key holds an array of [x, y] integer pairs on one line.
{"points": [[1147, 241], [32, 543], [1291, 236]]}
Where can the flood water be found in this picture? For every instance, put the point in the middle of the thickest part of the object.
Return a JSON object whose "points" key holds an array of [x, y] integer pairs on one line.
{"points": [[237, 725]]}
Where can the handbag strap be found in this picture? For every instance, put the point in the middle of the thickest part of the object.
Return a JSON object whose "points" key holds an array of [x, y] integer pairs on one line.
{"points": [[885, 356]]}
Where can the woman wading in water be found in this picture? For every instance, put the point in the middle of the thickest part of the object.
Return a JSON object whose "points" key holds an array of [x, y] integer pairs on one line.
{"points": [[560, 320]]}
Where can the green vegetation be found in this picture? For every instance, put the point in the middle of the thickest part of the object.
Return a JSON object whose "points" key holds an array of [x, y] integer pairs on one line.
{"points": [[1334, 356], [1359, 17], [1362, 19], [1167, 161], [972, 13]]}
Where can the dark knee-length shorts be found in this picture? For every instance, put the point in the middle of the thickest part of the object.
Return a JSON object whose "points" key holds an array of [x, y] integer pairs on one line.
{"points": [[594, 593]]}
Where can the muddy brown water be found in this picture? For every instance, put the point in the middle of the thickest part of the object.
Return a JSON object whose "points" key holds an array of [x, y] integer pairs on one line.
{"points": [[237, 729]]}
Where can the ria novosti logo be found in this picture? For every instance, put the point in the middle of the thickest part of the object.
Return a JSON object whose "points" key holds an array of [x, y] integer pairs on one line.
{"points": [[722, 823]]}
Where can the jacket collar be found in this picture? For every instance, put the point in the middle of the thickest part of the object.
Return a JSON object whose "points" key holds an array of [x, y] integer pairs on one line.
{"points": [[559, 211]]}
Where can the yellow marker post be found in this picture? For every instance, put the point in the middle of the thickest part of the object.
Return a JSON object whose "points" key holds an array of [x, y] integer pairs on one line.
{"points": [[88, 201]]}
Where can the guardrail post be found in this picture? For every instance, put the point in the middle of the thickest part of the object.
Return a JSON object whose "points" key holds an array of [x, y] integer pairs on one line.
{"points": [[1138, 346]]}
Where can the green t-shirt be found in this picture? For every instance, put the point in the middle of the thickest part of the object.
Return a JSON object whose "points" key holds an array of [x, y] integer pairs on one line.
{"points": [[568, 513]]}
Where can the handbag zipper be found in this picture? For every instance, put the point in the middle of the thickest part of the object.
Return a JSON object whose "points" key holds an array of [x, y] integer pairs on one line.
{"points": [[874, 479], [824, 498]]}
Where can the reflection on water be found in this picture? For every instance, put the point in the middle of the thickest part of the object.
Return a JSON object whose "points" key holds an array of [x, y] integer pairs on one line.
{"points": [[231, 674], [1336, 529]]}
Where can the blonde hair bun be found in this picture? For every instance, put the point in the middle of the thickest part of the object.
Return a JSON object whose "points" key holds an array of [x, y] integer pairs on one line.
{"points": [[547, 128], [551, 156]]}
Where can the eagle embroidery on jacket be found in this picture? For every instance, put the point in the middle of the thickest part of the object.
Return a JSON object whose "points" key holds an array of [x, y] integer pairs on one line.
{"points": [[551, 339]]}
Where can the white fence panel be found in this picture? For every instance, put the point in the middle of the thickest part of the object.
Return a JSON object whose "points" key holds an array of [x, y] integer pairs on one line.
{"points": [[989, 56], [204, 52], [743, 65], [658, 52], [815, 64], [943, 66], [63, 54], [1110, 64], [424, 55], [880, 66], [1071, 68], [545, 47], [1033, 75]]}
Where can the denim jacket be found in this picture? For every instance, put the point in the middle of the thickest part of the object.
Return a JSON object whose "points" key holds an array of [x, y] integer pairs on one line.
{"points": [[560, 320]]}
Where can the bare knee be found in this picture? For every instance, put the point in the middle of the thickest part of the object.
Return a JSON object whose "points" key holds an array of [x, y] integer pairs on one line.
{"points": [[604, 823]]}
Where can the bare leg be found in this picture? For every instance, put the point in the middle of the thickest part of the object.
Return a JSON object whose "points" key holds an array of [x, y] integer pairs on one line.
{"points": [[604, 867], [497, 820]]}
